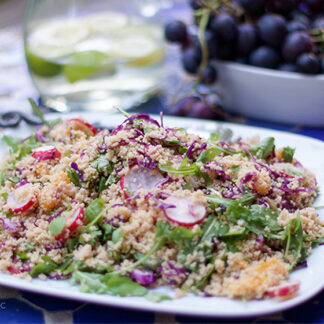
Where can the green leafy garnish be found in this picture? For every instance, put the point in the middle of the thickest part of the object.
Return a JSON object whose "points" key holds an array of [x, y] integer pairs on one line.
{"points": [[263, 149], [117, 235], [89, 282], [46, 267], [124, 286], [56, 226], [37, 111], [102, 164], [288, 154], [73, 176], [94, 209]]}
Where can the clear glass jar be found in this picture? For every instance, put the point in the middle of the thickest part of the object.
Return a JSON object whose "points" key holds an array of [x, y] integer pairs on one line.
{"points": [[94, 54]]}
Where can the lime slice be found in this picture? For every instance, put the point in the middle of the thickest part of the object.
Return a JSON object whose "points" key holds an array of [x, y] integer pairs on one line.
{"points": [[40, 66], [84, 64], [107, 22], [137, 50]]}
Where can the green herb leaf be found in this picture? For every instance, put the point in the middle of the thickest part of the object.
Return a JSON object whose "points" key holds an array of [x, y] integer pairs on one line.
{"points": [[263, 149], [89, 282], [117, 235], [94, 209], [73, 176], [102, 164], [288, 154], [124, 286], [182, 170], [56, 226], [156, 297], [47, 267], [208, 155], [37, 111]]}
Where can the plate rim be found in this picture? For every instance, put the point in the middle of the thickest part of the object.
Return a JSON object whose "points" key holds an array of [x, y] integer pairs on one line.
{"points": [[136, 304]]}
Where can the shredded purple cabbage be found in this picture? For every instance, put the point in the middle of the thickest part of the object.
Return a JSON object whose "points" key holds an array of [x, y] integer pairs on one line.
{"points": [[148, 164], [163, 182], [9, 225], [160, 204], [55, 215], [21, 183], [191, 150], [75, 167], [42, 138], [143, 277]]}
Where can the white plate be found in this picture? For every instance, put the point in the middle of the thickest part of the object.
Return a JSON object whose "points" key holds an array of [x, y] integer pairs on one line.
{"points": [[309, 151], [272, 95]]}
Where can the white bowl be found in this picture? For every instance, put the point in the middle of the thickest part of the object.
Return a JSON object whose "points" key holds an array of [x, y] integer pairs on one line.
{"points": [[271, 95]]}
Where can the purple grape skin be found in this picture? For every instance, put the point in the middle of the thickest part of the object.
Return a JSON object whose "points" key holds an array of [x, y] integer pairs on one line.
{"points": [[201, 110], [183, 106], [272, 29], [209, 75], [296, 25], [176, 32], [264, 56], [212, 42], [191, 59], [295, 44], [247, 39], [225, 26], [318, 23], [308, 63], [195, 4], [283, 7]]}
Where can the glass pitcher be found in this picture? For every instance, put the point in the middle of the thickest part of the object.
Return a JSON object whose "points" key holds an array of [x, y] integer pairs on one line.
{"points": [[92, 54]]}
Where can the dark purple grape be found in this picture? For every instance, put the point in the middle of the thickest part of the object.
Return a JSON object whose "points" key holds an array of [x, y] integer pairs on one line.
{"points": [[318, 23], [296, 25], [272, 29], [224, 26], [322, 64], [195, 4], [176, 32], [183, 106], [283, 7], [308, 63], [295, 44], [201, 110], [209, 75], [247, 39], [211, 41], [253, 8], [298, 16], [264, 56], [191, 59], [288, 67]]}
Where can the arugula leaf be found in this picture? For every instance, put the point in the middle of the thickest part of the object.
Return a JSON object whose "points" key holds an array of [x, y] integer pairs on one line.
{"points": [[94, 208], [37, 111], [102, 164], [156, 297], [296, 173], [117, 235], [208, 155], [318, 241], [56, 226], [263, 149], [89, 282], [221, 134], [184, 238], [182, 170], [293, 235], [288, 154], [124, 286], [47, 267], [73, 176]]}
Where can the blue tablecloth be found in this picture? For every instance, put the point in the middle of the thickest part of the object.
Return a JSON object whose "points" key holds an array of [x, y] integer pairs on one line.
{"points": [[23, 307]]}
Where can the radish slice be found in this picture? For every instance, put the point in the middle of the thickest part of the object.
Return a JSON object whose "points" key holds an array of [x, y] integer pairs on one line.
{"points": [[74, 222], [186, 212], [284, 290], [79, 124], [13, 270], [20, 205], [140, 178], [46, 152]]}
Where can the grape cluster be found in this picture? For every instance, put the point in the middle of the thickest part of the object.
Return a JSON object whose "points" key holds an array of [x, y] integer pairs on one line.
{"points": [[287, 35]]}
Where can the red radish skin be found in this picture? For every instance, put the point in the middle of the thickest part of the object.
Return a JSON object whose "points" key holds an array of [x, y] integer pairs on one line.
{"points": [[17, 207], [185, 213], [79, 124], [13, 270], [285, 290], [46, 153], [138, 178], [77, 218]]}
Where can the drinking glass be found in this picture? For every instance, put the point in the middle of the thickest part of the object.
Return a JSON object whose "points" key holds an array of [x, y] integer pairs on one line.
{"points": [[93, 54]]}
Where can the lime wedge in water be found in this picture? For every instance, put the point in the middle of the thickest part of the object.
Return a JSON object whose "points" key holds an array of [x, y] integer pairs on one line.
{"points": [[137, 50], [41, 66], [107, 22], [81, 65]]}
